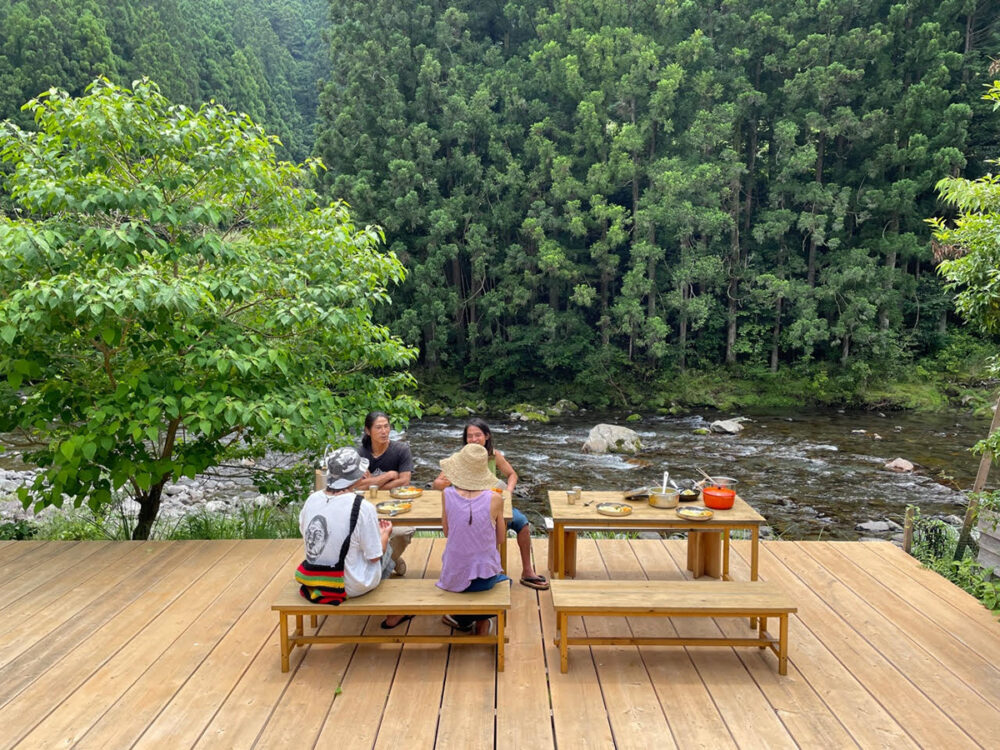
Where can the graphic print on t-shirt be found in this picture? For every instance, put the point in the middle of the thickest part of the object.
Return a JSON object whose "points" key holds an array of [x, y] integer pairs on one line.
{"points": [[316, 536]]}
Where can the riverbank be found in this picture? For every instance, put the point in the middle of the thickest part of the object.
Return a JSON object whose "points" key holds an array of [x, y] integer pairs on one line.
{"points": [[958, 377]]}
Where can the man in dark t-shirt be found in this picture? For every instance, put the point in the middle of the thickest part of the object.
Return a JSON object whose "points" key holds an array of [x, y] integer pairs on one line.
{"points": [[394, 460], [396, 457]]}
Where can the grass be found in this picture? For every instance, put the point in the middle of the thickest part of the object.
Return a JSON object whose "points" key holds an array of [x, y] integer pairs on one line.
{"points": [[114, 523]]}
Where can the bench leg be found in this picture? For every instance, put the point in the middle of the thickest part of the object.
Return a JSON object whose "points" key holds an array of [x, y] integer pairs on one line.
{"points": [[501, 627], [563, 645], [761, 630], [783, 644], [283, 620]]}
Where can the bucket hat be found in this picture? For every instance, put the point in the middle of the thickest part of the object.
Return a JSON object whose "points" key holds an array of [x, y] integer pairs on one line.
{"points": [[344, 467], [469, 468]]}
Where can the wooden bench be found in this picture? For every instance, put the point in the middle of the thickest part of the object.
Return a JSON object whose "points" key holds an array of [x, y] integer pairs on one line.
{"points": [[396, 596], [673, 599]]}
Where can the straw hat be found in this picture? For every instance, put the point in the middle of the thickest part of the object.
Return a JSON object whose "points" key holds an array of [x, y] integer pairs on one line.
{"points": [[469, 468]]}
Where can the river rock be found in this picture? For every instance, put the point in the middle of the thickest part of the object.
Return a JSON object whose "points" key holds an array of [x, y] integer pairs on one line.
{"points": [[875, 527], [900, 465], [727, 426], [528, 413], [609, 438], [562, 406]]}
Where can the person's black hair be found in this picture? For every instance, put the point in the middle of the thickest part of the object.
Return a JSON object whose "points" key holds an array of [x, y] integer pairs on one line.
{"points": [[477, 422], [366, 438]]}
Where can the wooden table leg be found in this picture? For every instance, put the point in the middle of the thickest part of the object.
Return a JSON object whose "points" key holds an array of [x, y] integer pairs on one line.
{"points": [[696, 552], [712, 553], [503, 555], [563, 646], [754, 555], [560, 540], [283, 620], [783, 644], [500, 638], [725, 555]]}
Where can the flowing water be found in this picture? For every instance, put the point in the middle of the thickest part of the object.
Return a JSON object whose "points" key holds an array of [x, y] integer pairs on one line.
{"points": [[811, 475], [814, 475]]}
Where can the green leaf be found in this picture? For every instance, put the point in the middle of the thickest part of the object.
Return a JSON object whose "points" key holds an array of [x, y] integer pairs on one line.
{"points": [[89, 450], [8, 334]]}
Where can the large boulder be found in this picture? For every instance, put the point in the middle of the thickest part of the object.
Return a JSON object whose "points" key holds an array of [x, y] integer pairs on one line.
{"points": [[609, 438], [727, 426]]}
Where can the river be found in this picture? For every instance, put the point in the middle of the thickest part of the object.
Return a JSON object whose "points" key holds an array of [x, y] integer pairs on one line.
{"points": [[812, 475]]}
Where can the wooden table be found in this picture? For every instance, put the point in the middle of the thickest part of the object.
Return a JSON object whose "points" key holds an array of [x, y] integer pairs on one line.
{"points": [[703, 538], [426, 513]]}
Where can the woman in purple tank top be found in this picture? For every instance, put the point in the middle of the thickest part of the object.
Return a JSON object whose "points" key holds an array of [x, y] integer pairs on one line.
{"points": [[472, 518]]}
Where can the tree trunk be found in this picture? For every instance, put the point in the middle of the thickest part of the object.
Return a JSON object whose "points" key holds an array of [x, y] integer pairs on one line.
{"points": [[734, 269], [776, 335], [890, 268], [149, 507], [651, 274], [981, 476], [813, 249], [683, 327]]}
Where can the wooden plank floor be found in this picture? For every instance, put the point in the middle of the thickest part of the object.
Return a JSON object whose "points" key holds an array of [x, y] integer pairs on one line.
{"points": [[173, 644]]}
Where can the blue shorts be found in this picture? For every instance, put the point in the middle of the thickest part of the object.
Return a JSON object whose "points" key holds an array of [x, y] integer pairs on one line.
{"points": [[518, 522], [484, 584]]}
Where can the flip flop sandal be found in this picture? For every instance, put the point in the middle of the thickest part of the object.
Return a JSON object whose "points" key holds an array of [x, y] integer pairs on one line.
{"points": [[535, 582], [386, 626]]}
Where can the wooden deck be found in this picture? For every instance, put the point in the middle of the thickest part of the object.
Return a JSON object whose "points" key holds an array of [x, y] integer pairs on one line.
{"points": [[173, 644]]}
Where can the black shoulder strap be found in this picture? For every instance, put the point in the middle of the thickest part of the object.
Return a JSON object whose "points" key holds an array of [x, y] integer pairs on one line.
{"points": [[355, 509]]}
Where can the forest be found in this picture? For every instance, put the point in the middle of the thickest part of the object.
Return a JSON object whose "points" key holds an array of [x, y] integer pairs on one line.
{"points": [[586, 192]]}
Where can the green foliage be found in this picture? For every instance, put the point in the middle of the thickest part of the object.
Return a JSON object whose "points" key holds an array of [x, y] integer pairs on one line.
{"points": [[246, 522], [171, 294], [973, 239], [285, 485], [18, 530], [595, 194], [934, 544], [262, 57]]}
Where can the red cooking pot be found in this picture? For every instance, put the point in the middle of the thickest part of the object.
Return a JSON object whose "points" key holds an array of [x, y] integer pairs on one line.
{"points": [[719, 498]]}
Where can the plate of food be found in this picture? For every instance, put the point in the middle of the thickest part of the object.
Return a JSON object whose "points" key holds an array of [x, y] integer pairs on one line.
{"points": [[393, 507], [694, 513], [405, 493], [614, 509], [689, 496]]}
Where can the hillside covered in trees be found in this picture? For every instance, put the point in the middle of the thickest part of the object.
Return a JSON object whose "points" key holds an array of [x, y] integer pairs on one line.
{"points": [[597, 191], [262, 57], [586, 187]]}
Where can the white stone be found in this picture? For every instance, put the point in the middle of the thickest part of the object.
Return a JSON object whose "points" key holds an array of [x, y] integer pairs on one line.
{"points": [[899, 464], [726, 426], [609, 438]]}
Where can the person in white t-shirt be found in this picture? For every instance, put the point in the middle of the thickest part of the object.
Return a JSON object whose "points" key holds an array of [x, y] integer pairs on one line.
{"points": [[335, 514]]}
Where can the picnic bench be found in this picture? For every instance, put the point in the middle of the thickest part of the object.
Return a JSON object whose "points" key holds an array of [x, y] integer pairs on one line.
{"points": [[395, 596], [672, 599]]}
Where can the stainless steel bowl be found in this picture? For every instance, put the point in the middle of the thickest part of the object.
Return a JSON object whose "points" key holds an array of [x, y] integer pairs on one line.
{"points": [[660, 498]]}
